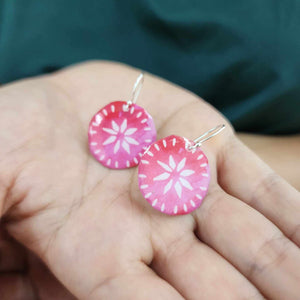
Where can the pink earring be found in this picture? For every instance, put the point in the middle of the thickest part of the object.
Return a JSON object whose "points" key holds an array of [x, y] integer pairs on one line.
{"points": [[174, 173], [121, 131]]}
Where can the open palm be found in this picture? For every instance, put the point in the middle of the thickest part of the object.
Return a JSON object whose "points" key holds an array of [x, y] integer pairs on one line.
{"points": [[91, 226]]}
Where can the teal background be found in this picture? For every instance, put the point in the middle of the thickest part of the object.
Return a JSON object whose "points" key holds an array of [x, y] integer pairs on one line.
{"points": [[241, 56]]}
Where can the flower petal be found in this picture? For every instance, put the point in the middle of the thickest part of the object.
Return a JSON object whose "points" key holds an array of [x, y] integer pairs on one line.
{"points": [[114, 125], [187, 173], [181, 164], [178, 189], [123, 125], [117, 147], [110, 140], [126, 147], [185, 183], [165, 166], [172, 162], [168, 186], [110, 131], [162, 176], [130, 140], [130, 131]]}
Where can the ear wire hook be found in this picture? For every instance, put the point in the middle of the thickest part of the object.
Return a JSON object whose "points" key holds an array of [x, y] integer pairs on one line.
{"points": [[136, 90], [206, 136]]}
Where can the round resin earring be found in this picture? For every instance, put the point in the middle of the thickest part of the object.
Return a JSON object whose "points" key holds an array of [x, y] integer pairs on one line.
{"points": [[174, 173], [121, 131]]}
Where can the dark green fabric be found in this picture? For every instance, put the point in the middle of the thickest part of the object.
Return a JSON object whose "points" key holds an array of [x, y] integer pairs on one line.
{"points": [[241, 56]]}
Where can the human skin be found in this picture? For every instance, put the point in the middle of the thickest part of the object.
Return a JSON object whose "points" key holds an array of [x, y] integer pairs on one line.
{"points": [[93, 230]]}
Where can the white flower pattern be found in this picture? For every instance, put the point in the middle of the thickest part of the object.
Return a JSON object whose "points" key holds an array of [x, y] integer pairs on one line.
{"points": [[121, 136], [176, 176]]}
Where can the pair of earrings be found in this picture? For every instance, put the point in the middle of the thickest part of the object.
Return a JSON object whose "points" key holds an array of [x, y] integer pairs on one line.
{"points": [[173, 172]]}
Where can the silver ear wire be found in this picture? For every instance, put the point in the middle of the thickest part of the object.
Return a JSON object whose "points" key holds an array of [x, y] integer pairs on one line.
{"points": [[135, 91], [206, 136]]}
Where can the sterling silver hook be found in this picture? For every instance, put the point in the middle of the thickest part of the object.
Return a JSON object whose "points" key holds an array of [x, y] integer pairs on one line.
{"points": [[206, 136], [136, 90]]}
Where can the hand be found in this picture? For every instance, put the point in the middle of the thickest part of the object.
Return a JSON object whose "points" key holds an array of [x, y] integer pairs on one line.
{"points": [[95, 232]]}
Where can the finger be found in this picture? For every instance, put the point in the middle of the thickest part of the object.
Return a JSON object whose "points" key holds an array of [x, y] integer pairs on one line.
{"points": [[12, 255], [251, 243], [142, 284], [16, 287], [195, 270], [242, 174], [46, 285]]}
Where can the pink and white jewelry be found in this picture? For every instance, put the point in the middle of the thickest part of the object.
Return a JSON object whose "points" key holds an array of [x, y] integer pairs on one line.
{"points": [[120, 132], [174, 173]]}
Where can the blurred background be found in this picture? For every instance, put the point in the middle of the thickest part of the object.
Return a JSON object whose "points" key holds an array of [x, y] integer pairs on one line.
{"points": [[241, 56]]}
